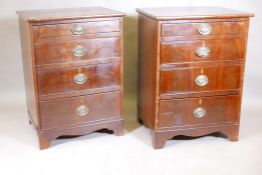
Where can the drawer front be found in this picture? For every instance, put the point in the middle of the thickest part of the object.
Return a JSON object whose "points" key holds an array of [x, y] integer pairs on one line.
{"points": [[79, 110], [199, 111], [61, 50], [204, 28], [76, 28], [203, 50], [52, 81], [197, 79]]}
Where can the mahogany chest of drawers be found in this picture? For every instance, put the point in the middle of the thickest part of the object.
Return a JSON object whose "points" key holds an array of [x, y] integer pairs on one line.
{"points": [[191, 66], [73, 70]]}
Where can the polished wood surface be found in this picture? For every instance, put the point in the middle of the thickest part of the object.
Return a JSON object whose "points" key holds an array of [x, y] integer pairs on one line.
{"points": [[68, 14], [180, 13], [148, 74], [54, 97], [45, 138], [221, 78], [169, 65], [64, 28], [231, 131], [48, 51], [231, 48], [52, 81], [63, 111], [29, 72], [178, 113], [218, 28]]}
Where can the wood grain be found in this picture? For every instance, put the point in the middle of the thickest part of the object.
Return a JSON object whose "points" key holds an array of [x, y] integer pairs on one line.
{"points": [[230, 131], [179, 112], [50, 68], [68, 14], [45, 138], [61, 113], [169, 65], [64, 29], [50, 51], [190, 13], [53, 81], [177, 81], [191, 28], [29, 70], [147, 67], [220, 49]]}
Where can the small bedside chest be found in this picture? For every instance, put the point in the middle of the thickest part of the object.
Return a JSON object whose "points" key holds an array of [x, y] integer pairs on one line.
{"points": [[191, 66], [73, 70]]}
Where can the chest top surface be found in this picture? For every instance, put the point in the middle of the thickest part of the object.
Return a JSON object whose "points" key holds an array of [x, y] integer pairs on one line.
{"points": [[67, 13], [173, 13]]}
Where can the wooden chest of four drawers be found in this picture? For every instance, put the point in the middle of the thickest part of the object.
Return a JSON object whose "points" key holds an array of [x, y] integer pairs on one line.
{"points": [[191, 65], [73, 67]]}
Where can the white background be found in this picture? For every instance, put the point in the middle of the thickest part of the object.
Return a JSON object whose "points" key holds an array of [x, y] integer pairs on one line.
{"points": [[132, 153]]}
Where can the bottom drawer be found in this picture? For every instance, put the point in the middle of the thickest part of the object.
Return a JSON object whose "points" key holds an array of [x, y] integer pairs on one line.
{"points": [[79, 110], [199, 111]]}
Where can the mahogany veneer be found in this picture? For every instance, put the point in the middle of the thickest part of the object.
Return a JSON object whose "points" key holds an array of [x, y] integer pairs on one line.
{"points": [[73, 70], [191, 66], [48, 51]]}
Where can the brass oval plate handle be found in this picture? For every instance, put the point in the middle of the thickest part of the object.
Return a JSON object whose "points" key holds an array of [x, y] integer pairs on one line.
{"points": [[199, 112], [201, 80], [205, 29], [80, 78], [82, 110], [79, 51], [78, 29], [203, 51]]}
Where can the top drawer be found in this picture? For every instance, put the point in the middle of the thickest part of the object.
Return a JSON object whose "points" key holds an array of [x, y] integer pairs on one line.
{"points": [[76, 28], [203, 28]]}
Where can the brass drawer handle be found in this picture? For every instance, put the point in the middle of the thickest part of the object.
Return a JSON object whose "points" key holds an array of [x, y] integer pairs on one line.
{"points": [[203, 51], [80, 78], [201, 80], [82, 110], [205, 29], [199, 112], [78, 29], [79, 51]]}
